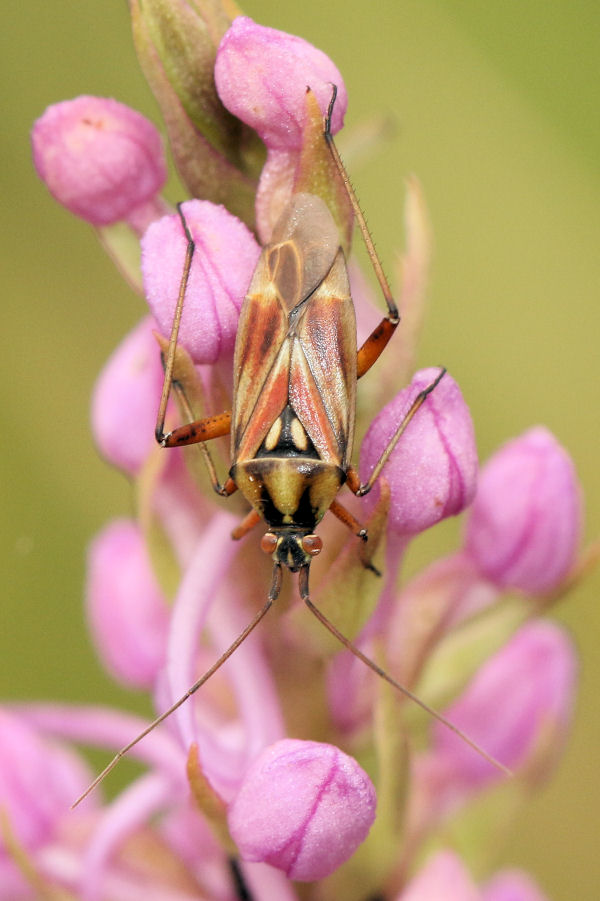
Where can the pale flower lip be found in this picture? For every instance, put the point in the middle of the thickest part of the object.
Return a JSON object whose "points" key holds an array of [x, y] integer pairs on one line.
{"points": [[202, 602], [99, 158], [39, 777]]}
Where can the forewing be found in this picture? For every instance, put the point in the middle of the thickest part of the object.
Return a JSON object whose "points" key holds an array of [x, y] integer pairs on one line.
{"points": [[298, 259], [260, 369], [323, 366]]}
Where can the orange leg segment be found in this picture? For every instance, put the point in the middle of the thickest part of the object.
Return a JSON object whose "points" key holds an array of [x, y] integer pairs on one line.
{"points": [[247, 524], [348, 519], [374, 346], [199, 430]]}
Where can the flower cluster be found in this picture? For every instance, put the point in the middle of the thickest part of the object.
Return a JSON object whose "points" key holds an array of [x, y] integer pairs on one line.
{"points": [[294, 762]]}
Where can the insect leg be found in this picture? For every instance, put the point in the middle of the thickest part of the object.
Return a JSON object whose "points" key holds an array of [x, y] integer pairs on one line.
{"points": [[304, 594], [374, 346], [169, 360], [376, 342], [249, 521], [241, 889], [196, 431], [346, 517], [356, 527], [353, 479]]}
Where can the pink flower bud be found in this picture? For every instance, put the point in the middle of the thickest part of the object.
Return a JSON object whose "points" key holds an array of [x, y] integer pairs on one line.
{"points": [[512, 885], [125, 400], [524, 527], [127, 612], [224, 260], [433, 469], [99, 158], [303, 807], [262, 76], [517, 707], [444, 876]]}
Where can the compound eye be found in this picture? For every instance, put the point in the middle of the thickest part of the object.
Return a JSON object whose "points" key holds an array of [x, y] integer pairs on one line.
{"points": [[268, 543], [312, 545]]}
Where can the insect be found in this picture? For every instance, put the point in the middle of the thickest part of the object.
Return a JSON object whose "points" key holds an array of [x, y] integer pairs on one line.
{"points": [[296, 366]]}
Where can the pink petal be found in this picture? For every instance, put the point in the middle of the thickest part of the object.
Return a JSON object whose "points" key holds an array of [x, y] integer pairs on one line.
{"points": [[39, 780], [131, 811], [512, 885], [443, 878], [127, 611], [125, 401]]}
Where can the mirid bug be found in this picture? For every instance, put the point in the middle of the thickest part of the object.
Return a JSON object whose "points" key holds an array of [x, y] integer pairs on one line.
{"points": [[296, 366]]}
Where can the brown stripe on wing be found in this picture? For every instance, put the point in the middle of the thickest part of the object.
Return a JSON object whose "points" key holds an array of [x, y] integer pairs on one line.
{"points": [[252, 426], [262, 330], [323, 367]]}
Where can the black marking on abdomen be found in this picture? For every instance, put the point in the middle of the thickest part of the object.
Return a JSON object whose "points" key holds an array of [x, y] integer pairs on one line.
{"points": [[286, 446], [304, 516]]}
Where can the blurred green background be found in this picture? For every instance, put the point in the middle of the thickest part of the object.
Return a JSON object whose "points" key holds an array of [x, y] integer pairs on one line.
{"points": [[497, 111]]}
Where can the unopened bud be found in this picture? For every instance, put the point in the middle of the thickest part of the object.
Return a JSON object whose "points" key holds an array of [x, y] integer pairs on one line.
{"points": [[525, 523], [99, 158], [224, 259], [432, 471], [303, 807]]}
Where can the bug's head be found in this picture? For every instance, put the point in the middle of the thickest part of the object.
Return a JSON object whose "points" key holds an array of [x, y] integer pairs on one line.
{"points": [[291, 548]]}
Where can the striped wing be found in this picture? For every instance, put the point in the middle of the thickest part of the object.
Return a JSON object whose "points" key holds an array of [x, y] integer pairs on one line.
{"points": [[296, 339], [322, 384]]}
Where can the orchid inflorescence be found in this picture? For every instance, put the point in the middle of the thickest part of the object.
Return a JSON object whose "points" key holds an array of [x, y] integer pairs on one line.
{"points": [[294, 763]]}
